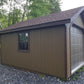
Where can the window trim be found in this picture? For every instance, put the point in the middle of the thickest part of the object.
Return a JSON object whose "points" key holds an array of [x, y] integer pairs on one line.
{"points": [[24, 51]]}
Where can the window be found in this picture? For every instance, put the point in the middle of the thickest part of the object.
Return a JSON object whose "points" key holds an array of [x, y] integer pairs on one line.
{"points": [[23, 41]]}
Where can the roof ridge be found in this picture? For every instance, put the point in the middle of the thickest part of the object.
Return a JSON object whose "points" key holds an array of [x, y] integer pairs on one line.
{"points": [[51, 14]]}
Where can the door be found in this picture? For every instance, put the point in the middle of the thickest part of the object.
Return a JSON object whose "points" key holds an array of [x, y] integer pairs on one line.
{"points": [[77, 58]]}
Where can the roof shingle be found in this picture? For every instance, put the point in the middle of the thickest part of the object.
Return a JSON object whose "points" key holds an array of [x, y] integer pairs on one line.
{"points": [[64, 15]]}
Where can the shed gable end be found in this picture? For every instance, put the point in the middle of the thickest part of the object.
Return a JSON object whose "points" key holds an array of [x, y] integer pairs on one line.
{"points": [[78, 21]]}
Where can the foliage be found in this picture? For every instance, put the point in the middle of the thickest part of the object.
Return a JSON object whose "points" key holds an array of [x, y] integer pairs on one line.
{"points": [[42, 75], [76, 77], [78, 71], [40, 8], [3, 19], [14, 16], [2, 2], [13, 11], [56, 4], [63, 79]]}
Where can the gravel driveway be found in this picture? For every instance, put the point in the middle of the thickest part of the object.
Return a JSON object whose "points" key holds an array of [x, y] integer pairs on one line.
{"points": [[10, 75]]}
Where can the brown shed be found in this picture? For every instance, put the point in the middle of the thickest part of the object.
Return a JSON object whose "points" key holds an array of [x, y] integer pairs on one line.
{"points": [[52, 44]]}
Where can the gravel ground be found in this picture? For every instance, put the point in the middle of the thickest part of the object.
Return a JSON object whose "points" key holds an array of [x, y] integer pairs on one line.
{"points": [[10, 75]]}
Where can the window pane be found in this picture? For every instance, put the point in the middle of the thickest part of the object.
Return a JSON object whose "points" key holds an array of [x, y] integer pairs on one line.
{"points": [[23, 41]]}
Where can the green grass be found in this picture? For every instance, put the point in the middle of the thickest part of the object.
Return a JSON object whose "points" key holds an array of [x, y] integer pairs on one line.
{"points": [[63, 79], [77, 76], [42, 75], [80, 70]]}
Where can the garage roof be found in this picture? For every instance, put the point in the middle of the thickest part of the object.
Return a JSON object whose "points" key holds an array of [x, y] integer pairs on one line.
{"points": [[43, 21]]}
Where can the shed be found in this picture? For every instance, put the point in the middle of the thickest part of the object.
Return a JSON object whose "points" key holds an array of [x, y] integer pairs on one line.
{"points": [[51, 44]]}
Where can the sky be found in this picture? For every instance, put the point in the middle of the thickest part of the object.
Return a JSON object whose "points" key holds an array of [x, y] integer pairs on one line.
{"points": [[70, 4]]}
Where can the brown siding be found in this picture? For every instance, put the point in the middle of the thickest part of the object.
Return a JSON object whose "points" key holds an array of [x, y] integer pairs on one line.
{"points": [[0, 46], [46, 53]]}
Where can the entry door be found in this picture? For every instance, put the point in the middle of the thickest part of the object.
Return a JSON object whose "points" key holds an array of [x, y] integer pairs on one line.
{"points": [[77, 58]]}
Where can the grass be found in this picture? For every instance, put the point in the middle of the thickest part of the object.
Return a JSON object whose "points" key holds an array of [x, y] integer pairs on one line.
{"points": [[63, 79], [78, 71], [42, 75], [76, 77]]}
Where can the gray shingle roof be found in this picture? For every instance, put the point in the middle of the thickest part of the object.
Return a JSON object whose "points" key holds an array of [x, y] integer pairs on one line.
{"points": [[60, 16]]}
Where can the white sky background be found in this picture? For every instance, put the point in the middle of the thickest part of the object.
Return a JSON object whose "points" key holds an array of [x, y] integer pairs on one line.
{"points": [[70, 4]]}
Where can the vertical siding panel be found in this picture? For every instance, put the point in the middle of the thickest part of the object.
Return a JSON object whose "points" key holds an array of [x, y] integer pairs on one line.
{"points": [[77, 55], [46, 53]]}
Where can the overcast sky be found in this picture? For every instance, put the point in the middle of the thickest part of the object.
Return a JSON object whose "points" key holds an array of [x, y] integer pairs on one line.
{"points": [[69, 4]]}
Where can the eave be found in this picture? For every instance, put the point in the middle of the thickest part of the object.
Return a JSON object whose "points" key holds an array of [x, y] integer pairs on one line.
{"points": [[39, 26]]}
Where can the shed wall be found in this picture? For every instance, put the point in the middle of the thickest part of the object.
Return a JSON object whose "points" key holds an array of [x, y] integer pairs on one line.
{"points": [[46, 52], [77, 46], [77, 55]]}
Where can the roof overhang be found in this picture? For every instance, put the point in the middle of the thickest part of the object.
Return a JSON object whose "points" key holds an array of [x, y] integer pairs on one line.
{"points": [[39, 26], [82, 16], [80, 12]]}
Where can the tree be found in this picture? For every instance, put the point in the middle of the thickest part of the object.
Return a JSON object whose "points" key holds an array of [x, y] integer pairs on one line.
{"points": [[40, 8], [3, 19], [20, 10], [43, 7], [16, 16], [56, 4], [14, 13], [2, 2], [25, 9]]}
